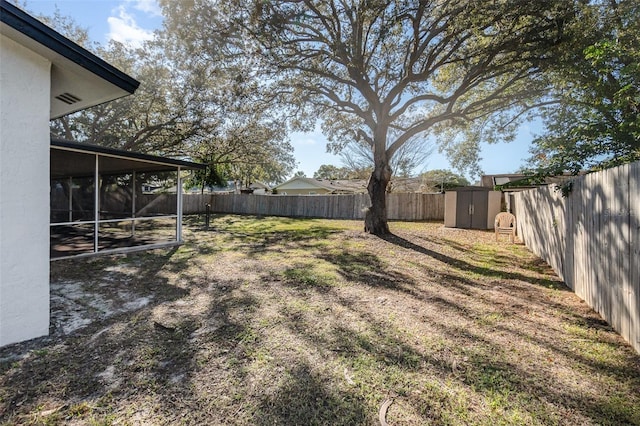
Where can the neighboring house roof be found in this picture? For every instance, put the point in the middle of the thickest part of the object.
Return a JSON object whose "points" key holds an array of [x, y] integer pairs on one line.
{"points": [[353, 185], [78, 159], [332, 186], [350, 186], [79, 79], [259, 185]]}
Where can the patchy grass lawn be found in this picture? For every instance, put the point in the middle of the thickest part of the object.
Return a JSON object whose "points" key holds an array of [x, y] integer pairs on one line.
{"points": [[275, 321]]}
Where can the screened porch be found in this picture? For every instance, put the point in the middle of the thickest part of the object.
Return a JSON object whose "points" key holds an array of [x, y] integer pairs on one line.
{"points": [[129, 210]]}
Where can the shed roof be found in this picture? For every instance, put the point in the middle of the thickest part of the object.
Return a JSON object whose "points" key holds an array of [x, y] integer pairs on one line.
{"points": [[521, 181]]}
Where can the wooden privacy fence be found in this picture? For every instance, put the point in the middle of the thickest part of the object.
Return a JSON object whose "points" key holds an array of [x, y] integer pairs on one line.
{"points": [[325, 206], [592, 240], [409, 206]]}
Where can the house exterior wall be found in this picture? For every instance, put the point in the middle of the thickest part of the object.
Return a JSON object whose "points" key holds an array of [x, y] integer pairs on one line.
{"points": [[299, 187], [24, 193]]}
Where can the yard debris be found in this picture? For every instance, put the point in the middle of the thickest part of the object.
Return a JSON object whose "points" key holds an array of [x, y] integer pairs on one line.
{"points": [[382, 414], [47, 413], [163, 327], [348, 377]]}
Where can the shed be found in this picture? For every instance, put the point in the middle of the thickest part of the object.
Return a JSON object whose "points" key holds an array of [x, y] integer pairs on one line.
{"points": [[43, 75], [471, 207]]}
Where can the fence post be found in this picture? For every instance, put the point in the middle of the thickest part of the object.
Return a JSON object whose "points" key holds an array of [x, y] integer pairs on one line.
{"points": [[207, 214]]}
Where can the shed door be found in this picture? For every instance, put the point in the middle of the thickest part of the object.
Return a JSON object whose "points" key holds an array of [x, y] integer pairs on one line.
{"points": [[471, 209], [463, 209], [480, 204]]}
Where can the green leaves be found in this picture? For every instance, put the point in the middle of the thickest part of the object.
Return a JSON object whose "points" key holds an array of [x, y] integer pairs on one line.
{"points": [[200, 97], [596, 123], [440, 180]]}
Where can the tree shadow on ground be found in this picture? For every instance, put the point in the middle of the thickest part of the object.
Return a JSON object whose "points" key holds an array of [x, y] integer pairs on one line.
{"points": [[365, 268], [85, 364], [150, 355], [466, 266], [304, 397], [482, 371], [269, 235], [298, 348]]}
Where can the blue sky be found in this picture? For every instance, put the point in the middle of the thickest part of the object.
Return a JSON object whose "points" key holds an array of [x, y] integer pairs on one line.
{"points": [[133, 21]]}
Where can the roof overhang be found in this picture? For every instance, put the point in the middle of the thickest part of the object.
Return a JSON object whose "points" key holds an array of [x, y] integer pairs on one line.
{"points": [[79, 79], [72, 159]]}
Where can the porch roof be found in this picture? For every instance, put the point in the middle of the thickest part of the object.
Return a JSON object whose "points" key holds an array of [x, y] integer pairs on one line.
{"points": [[78, 159]]}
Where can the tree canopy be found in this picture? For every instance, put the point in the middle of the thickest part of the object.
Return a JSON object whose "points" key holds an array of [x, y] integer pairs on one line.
{"points": [[184, 107], [440, 180], [390, 80], [595, 122], [328, 171]]}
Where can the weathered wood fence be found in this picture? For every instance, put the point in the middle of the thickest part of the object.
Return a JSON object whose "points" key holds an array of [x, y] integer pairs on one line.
{"points": [[409, 206], [592, 240]]}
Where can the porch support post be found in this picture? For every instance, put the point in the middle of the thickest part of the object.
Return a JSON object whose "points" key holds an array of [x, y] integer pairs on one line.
{"points": [[96, 205], [179, 208], [133, 204], [70, 183]]}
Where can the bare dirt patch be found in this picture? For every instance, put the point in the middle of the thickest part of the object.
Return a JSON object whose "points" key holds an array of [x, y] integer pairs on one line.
{"points": [[280, 321]]}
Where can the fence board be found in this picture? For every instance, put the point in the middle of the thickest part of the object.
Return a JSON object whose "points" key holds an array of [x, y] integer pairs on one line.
{"points": [[625, 266], [634, 270], [592, 240]]}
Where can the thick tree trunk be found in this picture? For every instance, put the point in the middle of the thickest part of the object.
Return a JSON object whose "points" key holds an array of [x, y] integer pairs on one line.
{"points": [[375, 220]]}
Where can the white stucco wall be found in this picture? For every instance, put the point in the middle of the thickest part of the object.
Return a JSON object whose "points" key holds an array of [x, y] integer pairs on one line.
{"points": [[25, 81]]}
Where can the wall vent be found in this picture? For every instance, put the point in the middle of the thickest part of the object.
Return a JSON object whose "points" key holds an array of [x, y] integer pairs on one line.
{"points": [[68, 98]]}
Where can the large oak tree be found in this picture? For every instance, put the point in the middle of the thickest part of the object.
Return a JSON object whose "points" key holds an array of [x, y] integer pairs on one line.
{"points": [[386, 72]]}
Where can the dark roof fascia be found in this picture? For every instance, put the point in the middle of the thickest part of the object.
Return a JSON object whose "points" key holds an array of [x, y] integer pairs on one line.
{"points": [[84, 147], [36, 30], [469, 188]]}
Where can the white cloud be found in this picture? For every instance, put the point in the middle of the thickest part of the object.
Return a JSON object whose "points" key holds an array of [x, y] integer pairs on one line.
{"points": [[150, 7], [124, 29]]}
